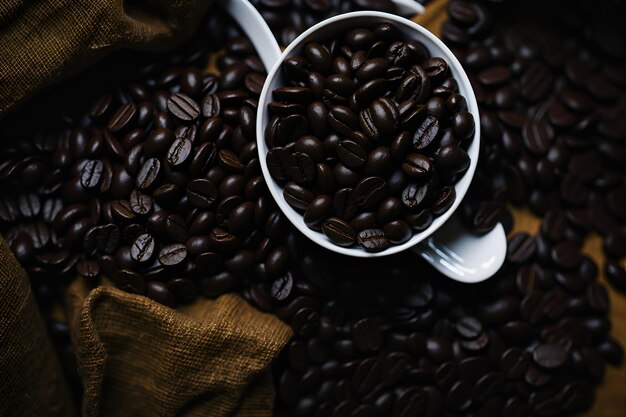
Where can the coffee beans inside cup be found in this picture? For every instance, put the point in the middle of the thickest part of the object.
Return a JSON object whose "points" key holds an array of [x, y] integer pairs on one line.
{"points": [[368, 136]]}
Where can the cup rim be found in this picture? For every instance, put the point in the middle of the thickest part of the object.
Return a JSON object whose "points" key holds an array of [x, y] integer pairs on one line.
{"points": [[461, 186]]}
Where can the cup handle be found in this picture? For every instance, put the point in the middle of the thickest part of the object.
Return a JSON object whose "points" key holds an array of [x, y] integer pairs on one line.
{"points": [[461, 255]]}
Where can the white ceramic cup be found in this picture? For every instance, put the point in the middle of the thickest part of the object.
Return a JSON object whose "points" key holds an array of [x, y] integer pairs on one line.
{"points": [[322, 32], [452, 250]]}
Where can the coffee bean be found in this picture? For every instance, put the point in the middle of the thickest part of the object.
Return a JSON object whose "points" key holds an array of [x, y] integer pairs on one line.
{"points": [[373, 240], [451, 159], [367, 335], [444, 200], [172, 255], [459, 396], [536, 82], [281, 287], [487, 387], [319, 57], [494, 76], [122, 117], [202, 193], [183, 107], [140, 204], [317, 210], [426, 133], [148, 174], [550, 355], [142, 248], [297, 196], [521, 248], [179, 152], [398, 231], [469, 327], [203, 158], [130, 281], [487, 216], [368, 192], [566, 255], [616, 274], [301, 167], [514, 363], [241, 218], [417, 165], [91, 174], [338, 231], [414, 195], [351, 154], [538, 137]]}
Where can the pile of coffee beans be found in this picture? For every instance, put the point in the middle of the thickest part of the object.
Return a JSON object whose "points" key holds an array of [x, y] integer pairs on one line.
{"points": [[158, 186], [372, 337], [553, 106], [368, 137], [391, 337], [288, 18]]}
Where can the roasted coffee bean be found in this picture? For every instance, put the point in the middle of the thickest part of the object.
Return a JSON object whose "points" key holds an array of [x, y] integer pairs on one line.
{"points": [[444, 200], [202, 193], [297, 196], [414, 195], [129, 281], [91, 174], [148, 174], [143, 248], [616, 274], [282, 287], [351, 154], [121, 211], [319, 57], [342, 120], [566, 255], [172, 255], [550, 355], [301, 167], [338, 231], [241, 218], [426, 133], [398, 231], [451, 159], [521, 248], [368, 192], [183, 107], [122, 117], [317, 211], [459, 396], [417, 165], [179, 152], [373, 240], [140, 204]]}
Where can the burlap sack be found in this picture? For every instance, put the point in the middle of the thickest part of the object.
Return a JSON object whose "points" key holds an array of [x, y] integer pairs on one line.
{"points": [[31, 381], [44, 42], [139, 358], [136, 357]]}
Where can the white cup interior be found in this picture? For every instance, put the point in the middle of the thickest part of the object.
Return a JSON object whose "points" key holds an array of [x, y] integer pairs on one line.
{"points": [[324, 31]]}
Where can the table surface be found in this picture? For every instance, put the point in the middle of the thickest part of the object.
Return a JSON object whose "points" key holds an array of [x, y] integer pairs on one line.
{"points": [[611, 394]]}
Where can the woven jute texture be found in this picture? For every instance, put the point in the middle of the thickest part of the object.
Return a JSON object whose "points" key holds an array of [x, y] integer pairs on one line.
{"points": [[45, 41], [31, 382], [136, 358], [139, 358]]}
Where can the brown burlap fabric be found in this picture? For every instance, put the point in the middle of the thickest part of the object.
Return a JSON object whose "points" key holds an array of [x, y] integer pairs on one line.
{"points": [[31, 381], [43, 42], [136, 357]]}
